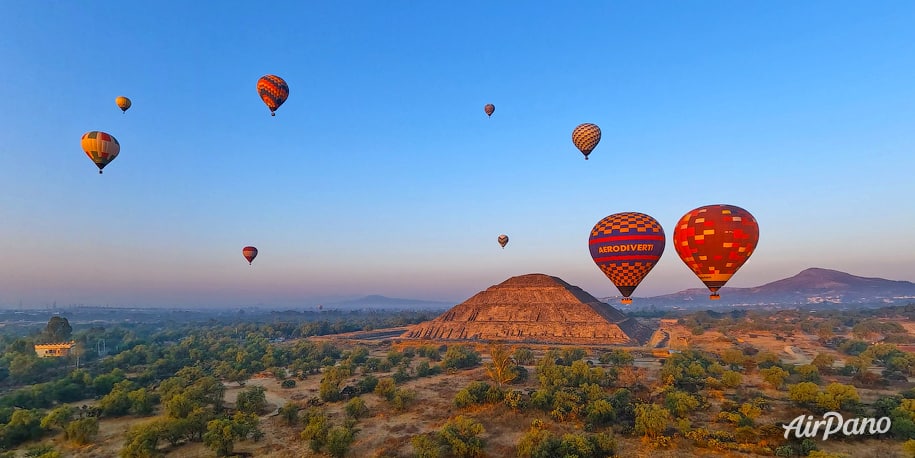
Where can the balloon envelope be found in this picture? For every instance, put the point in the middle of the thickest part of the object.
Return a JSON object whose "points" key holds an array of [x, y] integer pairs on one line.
{"points": [[714, 241], [503, 240], [101, 147], [273, 91], [123, 102], [489, 109], [585, 137], [249, 252], [626, 246]]}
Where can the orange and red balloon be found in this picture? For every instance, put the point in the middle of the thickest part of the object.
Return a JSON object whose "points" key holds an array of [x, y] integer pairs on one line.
{"points": [[273, 91], [249, 252], [715, 241]]}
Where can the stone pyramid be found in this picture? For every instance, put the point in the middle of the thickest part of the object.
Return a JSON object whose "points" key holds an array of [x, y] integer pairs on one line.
{"points": [[534, 308]]}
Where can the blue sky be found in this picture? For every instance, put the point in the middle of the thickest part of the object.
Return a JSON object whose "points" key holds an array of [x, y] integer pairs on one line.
{"points": [[382, 175]]}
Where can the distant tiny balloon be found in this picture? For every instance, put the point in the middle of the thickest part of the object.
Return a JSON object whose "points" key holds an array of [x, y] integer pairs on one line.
{"points": [[273, 91], [489, 109], [503, 240], [249, 252], [101, 147], [123, 103], [585, 137], [714, 241]]}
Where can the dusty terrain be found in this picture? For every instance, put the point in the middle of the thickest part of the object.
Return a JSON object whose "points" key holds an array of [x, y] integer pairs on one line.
{"points": [[386, 433]]}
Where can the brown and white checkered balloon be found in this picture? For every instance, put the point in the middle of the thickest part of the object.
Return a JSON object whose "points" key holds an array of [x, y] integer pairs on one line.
{"points": [[586, 137]]}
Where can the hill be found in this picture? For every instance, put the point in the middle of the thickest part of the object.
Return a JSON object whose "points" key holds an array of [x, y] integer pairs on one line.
{"points": [[377, 302], [814, 286]]}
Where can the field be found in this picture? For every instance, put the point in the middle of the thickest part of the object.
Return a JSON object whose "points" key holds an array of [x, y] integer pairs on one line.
{"points": [[386, 432]]}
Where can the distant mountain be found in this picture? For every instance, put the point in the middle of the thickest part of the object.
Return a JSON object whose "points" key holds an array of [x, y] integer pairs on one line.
{"points": [[387, 303], [811, 286]]}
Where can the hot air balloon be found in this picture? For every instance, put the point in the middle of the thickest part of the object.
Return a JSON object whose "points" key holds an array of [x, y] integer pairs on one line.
{"points": [[489, 109], [626, 246], [586, 137], [503, 240], [249, 252], [714, 241], [123, 103], [273, 90], [102, 148]]}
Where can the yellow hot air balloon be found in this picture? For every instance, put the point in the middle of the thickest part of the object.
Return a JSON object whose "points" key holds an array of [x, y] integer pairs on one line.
{"points": [[586, 137], [123, 103], [102, 148]]}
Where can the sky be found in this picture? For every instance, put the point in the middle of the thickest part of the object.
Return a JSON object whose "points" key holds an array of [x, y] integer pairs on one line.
{"points": [[381, 174]]}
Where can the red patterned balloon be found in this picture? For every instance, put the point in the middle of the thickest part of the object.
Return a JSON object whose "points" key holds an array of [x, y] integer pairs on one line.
{"points": [[626, 246], [714, 241], [273, 91], [489, 109], [249, 252]]}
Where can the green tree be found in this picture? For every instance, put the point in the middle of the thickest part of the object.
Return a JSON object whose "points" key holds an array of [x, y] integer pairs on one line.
{"points": [[329, 390], [617, 357], [460, 357], [824, 362], [142, 441], [58, 417], [427, 446], [316, 428], [142, 401], [838, 396], [290, 414], [804, 393], [775, 376], [81, 431], [808, 372], [731, 379], [680, 403], [339, 439], [355, 408], [909, 447], [385, 388], [24, 425], [501, 368], [651, 420], [252, 400], [58, 330], [461, 436], [523, 356], [117, 402], [38, 451], [220, 436]]}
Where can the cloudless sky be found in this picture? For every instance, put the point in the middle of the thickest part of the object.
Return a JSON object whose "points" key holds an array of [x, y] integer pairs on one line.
{"points": [[382, 175]]}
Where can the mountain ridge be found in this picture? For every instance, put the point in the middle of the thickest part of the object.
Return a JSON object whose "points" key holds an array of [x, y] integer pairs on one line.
{"points": [[814, 285]]}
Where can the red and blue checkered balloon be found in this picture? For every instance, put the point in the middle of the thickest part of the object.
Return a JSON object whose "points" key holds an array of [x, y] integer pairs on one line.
{"points": [[626, 246]]}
